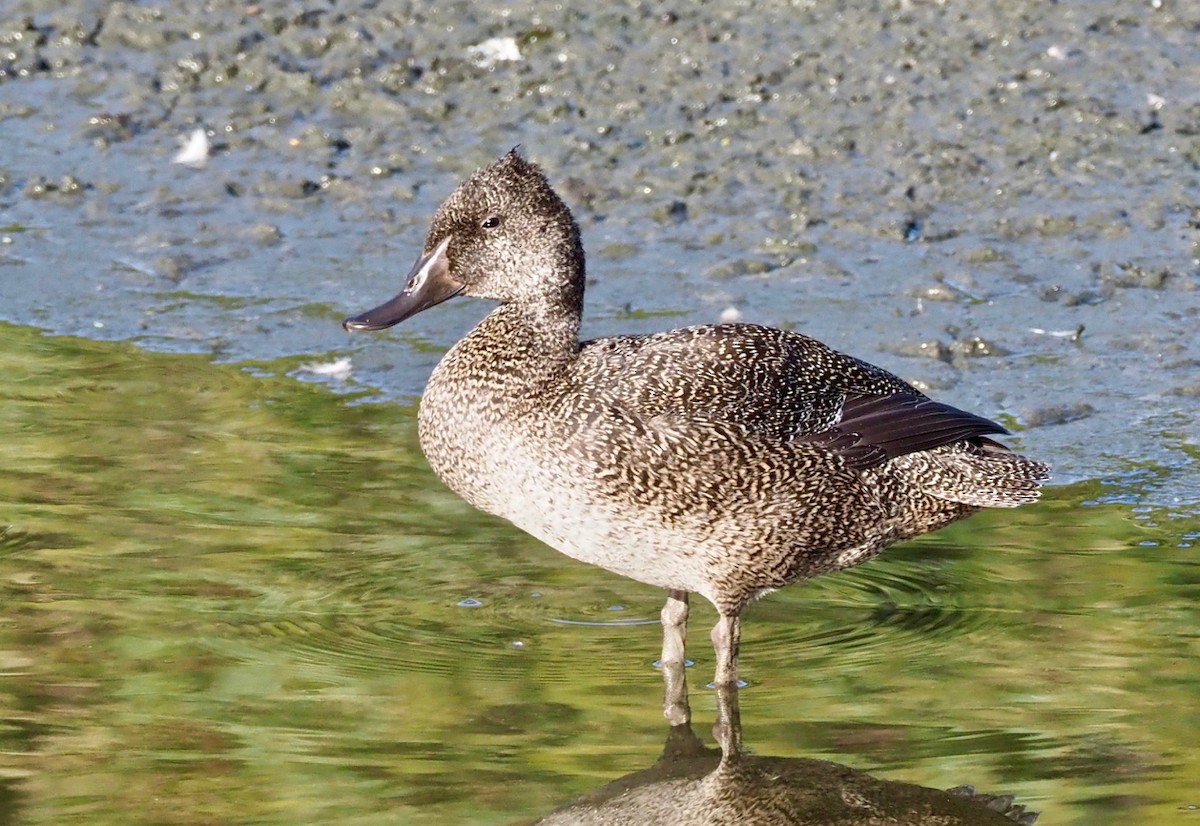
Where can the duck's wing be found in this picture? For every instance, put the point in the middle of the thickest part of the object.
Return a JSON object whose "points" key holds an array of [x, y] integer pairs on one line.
{"points": [[873, 429], [780, 385]]}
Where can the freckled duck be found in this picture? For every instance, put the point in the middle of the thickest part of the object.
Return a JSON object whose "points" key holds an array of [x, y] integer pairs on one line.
{"points": [[724, 460]]}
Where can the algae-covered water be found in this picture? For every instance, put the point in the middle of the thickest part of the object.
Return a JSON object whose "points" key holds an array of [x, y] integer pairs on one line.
{"points": [[234, 593]]}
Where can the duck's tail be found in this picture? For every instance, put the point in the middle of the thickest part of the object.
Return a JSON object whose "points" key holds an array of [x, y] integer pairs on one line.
{"points": [[981, 473]]}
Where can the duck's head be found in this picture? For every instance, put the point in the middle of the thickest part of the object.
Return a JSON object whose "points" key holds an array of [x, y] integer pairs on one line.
{"points": [[505, 235]]}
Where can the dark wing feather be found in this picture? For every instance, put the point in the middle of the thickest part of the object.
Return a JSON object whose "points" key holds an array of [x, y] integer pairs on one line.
{"points": [[873, 429]]}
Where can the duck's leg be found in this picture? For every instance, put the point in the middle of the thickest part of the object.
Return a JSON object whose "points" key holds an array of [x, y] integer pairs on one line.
{"points": [[674, 622], [726, 637]]}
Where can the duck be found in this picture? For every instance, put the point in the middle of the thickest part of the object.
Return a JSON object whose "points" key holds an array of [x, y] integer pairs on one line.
{"points": [[722, 460]]}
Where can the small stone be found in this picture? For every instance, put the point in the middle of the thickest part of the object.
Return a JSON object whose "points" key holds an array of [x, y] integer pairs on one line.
{"points": [[976, 347], [1056, 414], [267, 235], [930, 349]]}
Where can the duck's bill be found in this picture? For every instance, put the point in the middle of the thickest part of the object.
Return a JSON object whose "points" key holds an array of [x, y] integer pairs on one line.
{"points": [[428, 284]]}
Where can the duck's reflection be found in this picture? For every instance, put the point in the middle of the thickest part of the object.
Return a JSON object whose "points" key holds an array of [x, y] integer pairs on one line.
{"points": [[691, 784]]}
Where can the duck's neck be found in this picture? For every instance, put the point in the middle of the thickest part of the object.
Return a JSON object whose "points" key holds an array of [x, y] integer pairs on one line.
{"points": [[532, 331], [551, 326], [518, 344], [547, 322]]}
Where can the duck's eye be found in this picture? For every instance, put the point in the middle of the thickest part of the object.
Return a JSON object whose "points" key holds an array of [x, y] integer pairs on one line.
{"points": [[491, 222]]}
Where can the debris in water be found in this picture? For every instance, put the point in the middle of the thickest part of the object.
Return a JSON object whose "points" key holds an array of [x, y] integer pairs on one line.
{"points": [[338, 369], [195, 150], [1074, 335], [487, 54]]}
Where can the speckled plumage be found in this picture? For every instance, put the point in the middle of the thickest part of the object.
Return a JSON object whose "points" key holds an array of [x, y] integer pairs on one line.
{"points": [[723, 460]]}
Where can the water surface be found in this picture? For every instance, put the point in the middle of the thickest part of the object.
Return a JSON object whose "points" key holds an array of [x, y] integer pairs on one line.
{"points": [[234, 597]]}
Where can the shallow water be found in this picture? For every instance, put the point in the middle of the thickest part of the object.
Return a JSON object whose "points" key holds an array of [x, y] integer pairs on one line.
{"points": [[233, 597]]}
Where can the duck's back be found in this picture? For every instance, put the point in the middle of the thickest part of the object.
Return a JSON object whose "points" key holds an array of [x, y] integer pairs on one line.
{"points": [[776, 383]]}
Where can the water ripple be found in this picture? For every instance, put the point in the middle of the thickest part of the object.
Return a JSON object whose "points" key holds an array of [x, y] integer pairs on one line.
{"points": [[875, 614]]}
